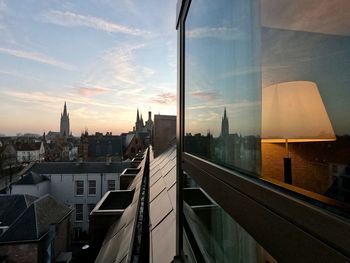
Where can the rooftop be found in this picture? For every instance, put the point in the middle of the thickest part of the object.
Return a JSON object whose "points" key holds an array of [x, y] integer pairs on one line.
{"points": [[78, 168], [32, 222]]}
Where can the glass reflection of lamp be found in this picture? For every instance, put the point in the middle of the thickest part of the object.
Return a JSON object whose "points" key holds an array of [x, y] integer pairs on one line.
{"points": [[294, 112]]}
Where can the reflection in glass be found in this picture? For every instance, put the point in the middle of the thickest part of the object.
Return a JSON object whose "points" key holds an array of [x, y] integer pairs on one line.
{"points": [[223, 83], [219, 237], [234, 51], [310, 41]]}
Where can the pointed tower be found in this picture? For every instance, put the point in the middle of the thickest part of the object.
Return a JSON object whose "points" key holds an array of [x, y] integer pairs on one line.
{"points": [[224, 126], [137, 116], [64, 127], [141, 121]]}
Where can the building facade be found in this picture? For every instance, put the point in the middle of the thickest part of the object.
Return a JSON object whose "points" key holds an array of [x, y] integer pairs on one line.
{"points": [[79, 185], [30, 152]]}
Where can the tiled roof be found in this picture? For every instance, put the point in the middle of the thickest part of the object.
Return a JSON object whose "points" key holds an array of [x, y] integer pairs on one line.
{"points": [[78, 168], [118, 243], [34, 221], [163, 206], [35, 146], [31, 178], [11, 206]]}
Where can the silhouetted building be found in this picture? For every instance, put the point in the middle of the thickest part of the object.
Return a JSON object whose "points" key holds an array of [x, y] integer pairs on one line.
{"points": [[164, 132], [99, 146], [224, 126], [64, 126]]}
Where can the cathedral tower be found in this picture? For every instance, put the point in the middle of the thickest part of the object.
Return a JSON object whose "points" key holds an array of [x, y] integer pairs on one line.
{"points": [[139, 122], [224, 126], [64, 127]]}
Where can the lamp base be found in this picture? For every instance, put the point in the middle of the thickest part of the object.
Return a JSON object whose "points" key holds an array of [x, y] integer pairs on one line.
{"points": [[287, 170]]}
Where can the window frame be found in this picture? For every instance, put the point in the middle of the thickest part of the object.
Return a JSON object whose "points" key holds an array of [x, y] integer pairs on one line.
{"points": [[317, 231], [92, 193], [79, 187]]}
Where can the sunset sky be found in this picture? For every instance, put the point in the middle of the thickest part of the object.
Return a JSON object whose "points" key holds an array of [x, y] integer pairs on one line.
{"points": [[104, 58]]}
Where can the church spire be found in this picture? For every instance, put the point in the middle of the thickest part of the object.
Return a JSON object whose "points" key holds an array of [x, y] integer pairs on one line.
{"points": [[224, 125], [137, 115], [64, 126], [65, 109]]}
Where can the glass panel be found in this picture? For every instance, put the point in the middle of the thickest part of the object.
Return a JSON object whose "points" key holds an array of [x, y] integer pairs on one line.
{"points": [[223, 82], [218, 236], [276, 71], [305, 94]]}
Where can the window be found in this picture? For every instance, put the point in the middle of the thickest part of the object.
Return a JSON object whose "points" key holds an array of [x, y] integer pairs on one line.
{"points": [[79, 212], [79, 187], [111, 185], [223, 84], [267, 96], [239, 59], [92, 187]]}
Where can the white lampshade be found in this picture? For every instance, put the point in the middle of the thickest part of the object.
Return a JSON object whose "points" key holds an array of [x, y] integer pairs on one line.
{"points": [[294, 111]]}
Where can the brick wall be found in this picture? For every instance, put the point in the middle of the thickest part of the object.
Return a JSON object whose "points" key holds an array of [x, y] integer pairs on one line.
{"points": [[309, 169]]}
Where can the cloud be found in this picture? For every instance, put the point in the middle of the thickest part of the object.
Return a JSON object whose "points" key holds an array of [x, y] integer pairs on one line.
{"points": [[119, 69], [49, 101], [34, 56], [321, 16], [232, 107], [164, 98], [204, 95], [92, 91], [19, 75], [223, 33], [70, 19]]}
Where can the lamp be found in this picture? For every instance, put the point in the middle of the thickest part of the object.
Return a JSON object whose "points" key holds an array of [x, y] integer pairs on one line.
{"points": [[294, 112]]}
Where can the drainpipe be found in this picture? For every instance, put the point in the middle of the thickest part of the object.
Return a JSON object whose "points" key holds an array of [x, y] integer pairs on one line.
{"points": [[101, 185]]}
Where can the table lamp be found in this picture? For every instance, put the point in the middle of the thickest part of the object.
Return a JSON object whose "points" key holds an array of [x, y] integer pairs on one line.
{"points": [[294, 112]]}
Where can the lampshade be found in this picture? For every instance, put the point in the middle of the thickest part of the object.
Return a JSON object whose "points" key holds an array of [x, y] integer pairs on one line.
{"points": [[294, 111]]}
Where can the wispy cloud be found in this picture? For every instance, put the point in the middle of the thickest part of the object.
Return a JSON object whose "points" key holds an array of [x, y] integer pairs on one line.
{"points": [[164, 98], [119, 69], [19, 75], [70, 19], [204, 95], [223, 33], [232, 107], [35, 56], [85, 91], [49, 100]]}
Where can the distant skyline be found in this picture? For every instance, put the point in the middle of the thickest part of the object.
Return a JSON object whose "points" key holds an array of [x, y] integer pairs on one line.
{"points": [[104, 58]]}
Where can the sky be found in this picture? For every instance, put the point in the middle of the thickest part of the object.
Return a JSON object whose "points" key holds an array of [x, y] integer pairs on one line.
{"points": [[234, 49], [105, 58]]}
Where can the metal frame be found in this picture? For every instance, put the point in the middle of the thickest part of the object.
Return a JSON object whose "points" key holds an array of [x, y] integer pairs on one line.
{"points": [[289, 228]]}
